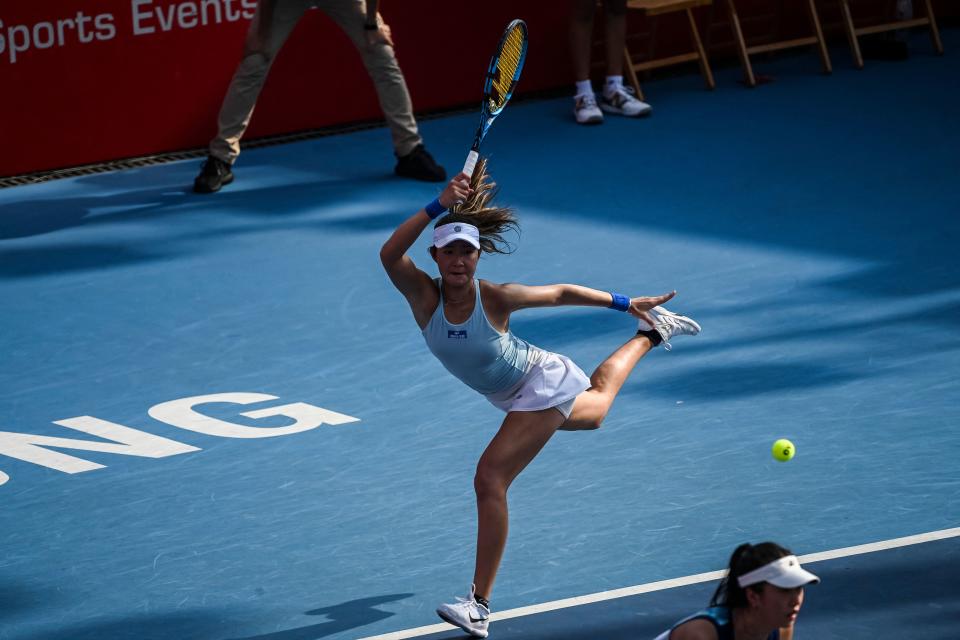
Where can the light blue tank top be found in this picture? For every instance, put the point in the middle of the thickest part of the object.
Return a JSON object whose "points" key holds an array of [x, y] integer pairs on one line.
{"points": [[476, 353]]}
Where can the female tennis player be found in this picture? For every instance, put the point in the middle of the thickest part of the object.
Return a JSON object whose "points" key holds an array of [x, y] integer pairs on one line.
{"points": [[758, 599], [466, 324]]}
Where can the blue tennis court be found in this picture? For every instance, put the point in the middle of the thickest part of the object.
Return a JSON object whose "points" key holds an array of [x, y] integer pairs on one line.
{"points": [[219, 420]]}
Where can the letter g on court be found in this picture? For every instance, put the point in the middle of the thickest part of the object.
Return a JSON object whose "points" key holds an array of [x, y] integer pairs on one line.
{"points": [[181, 413]]}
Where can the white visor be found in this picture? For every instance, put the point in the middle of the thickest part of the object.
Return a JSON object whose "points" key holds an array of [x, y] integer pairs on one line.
{"points": [[785, 573], [447, 233]]}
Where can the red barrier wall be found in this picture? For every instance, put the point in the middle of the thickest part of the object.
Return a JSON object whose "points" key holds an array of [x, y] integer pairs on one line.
{"points": [[98, 80], [121, 78]]}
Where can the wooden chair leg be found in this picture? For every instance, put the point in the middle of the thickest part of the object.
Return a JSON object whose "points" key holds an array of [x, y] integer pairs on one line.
{"points": [[934, 32], [701, 54], [818, 32], [851, 34], [632, 74], [741, 43]]}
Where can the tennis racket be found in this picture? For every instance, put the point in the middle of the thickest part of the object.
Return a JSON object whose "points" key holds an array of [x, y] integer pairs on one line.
{"points": [[502, 75]]}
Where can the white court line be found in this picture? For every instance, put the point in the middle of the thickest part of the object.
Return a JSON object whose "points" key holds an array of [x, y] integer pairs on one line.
{"points": [[670, 584]]}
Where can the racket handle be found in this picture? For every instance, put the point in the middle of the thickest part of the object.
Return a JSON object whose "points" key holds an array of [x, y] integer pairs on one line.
{"points": [[471, 162]]}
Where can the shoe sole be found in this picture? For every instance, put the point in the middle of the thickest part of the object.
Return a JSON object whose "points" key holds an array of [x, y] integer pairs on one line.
{"points": [[225, 182], [620, 112], [664, 312], [460, 626]]}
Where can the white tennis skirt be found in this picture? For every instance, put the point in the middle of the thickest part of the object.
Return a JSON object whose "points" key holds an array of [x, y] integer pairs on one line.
{"points": [[552, 381]]}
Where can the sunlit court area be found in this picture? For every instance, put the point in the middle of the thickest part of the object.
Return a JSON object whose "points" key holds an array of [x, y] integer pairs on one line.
{"points": [[237, 396]]}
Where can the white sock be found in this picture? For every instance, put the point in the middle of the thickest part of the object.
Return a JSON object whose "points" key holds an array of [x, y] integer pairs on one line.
{"points": [[611, 84], [584, 88]]}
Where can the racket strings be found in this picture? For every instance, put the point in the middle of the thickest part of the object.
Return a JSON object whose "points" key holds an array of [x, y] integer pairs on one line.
{"points": [[508, 63]]}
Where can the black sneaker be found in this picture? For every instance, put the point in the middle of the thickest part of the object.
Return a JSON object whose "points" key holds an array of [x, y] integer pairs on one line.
{"points": [[420, 165], [214, 174]]}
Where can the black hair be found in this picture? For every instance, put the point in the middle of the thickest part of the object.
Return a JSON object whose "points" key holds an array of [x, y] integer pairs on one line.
{"points": [[745, 559]]}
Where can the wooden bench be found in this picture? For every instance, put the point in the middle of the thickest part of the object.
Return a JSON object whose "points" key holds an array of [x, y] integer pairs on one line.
{"points": [[853, 32], [661, 7], [744, 51]]}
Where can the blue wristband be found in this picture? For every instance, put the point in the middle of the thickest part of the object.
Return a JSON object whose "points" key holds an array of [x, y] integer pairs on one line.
{"points": [[435, 209], [620, 302]]}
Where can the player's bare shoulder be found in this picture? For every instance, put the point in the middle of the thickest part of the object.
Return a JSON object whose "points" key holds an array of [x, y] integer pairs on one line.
{"points": [[699, 629], [499, 301], [501, 295]]}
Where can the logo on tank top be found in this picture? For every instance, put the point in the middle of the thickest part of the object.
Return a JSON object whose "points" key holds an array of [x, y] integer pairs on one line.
{"points": [[457, 335]]}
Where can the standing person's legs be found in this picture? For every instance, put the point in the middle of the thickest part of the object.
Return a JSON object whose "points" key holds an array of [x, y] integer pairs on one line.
{"points": [[614, 98], [381, 64], [413, 160], [585, 108], [251, 73], [581, 34], [615, 12]]}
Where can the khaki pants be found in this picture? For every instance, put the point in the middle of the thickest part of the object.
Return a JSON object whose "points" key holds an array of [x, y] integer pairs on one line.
{"points": [[250, 75]]}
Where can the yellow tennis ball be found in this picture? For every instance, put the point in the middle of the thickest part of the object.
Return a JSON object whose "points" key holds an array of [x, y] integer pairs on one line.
{"points": [[783, 450]]}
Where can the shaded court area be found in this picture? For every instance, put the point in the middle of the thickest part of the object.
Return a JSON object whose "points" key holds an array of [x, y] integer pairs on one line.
{"points": [[890, 593]]}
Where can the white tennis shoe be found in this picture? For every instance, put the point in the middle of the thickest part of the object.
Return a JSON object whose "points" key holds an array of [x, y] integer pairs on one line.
{"points": [[468, 614], [623, 101], [585, 109], [669, 324]]}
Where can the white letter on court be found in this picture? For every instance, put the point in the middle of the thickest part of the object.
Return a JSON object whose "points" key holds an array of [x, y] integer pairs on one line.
{"points": [[180, 413], [29, 447]]}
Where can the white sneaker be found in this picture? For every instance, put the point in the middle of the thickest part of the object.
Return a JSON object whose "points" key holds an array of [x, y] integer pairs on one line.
{"points": [[669, 324], [623, 101], [586, 110], [468, 614]]}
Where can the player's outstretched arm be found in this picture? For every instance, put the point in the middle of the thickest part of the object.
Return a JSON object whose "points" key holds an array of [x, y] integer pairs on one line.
{"points": [[517, 296]]}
